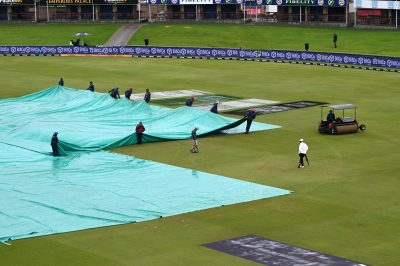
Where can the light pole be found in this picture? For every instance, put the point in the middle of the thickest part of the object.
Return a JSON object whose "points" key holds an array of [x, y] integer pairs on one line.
{"points": [[47, 9], [35, 10]]}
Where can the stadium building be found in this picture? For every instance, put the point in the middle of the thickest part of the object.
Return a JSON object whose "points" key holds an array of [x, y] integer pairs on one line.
{"points": [[337, 13]]}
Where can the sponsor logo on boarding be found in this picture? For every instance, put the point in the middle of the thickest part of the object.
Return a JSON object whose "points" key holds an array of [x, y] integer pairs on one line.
{"points": [[94, 50], [52, 50], [321, 2], [203, 52], [393, 63], [377, 61], [190, 52], [352, 60], [341, 2], [360, 60], [129, 50], [144, 51], [279, 2], [294, 56], [367, 61], [264, 54], [308, 56], [239, 1], [153, 1], [174, 1], [219, 52], [197, 1], [251, 54], [259, 2], [5, 49], [11, 1], [218, 1], [169, 51]]}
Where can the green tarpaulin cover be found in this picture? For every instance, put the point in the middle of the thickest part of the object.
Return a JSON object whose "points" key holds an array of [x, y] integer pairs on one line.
{"points": [[88, 187], [88, 121]]}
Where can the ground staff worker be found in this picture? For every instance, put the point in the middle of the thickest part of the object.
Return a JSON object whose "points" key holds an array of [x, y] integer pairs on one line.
{"points": [[91, 87], [189, 102], [139, 132], [114, 93], [128, 93], [330, 117], [251, 115], [147, 96], [194, 140], [214, 108], [334, 39], [54, 144], [303, 148]]}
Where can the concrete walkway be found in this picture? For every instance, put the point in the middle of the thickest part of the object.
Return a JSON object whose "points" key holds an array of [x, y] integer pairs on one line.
{"points": [[123, 35]]}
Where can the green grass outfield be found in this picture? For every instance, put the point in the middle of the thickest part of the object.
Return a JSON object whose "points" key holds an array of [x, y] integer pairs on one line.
{"points": [[346, 203], [381, 42]]}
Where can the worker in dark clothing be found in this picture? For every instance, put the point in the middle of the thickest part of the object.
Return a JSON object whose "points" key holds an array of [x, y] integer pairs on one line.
{"points": [[128, 94], [330, 117], [189, 102], [54, 144], [251, 115], [194, 140], [115, 93], [139, 132], [147, 96], [335, 39], [61, 82], [214, 108], [91, 87]]}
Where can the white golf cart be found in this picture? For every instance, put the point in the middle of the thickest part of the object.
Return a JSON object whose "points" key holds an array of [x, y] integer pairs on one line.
{"points": [[340, 125]]}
